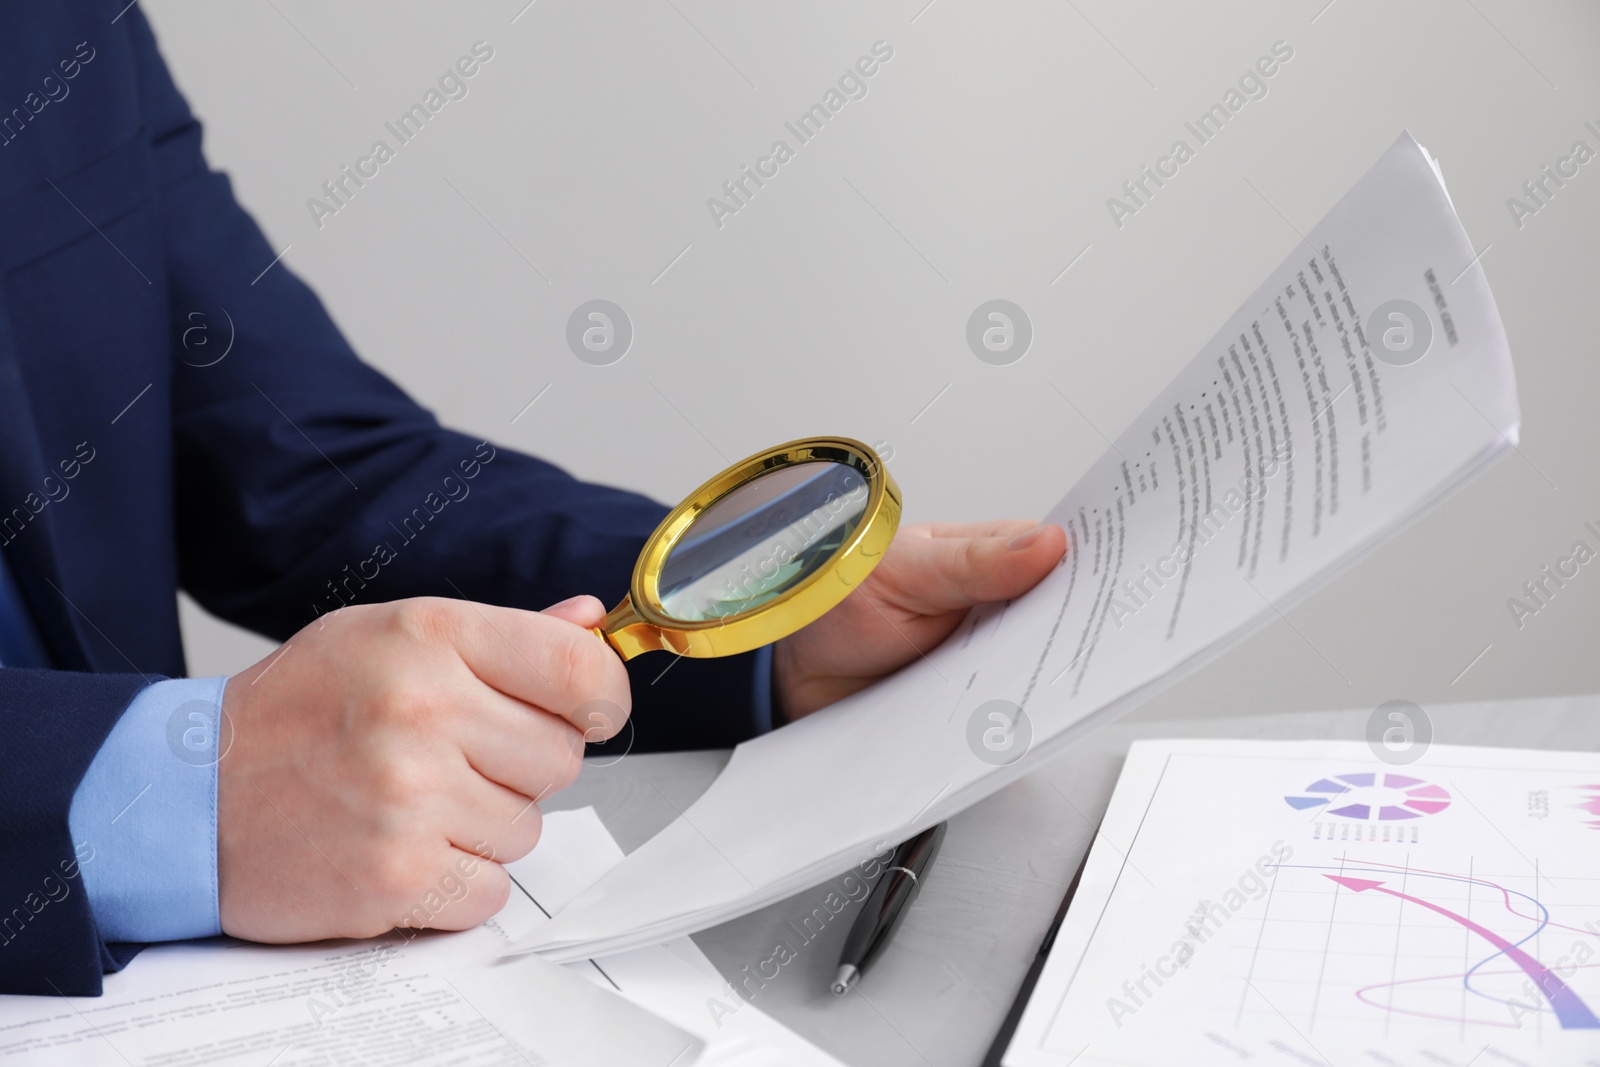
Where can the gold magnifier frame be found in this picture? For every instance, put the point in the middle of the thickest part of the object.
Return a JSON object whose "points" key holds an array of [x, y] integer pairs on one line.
{"points": [[640, 624]]}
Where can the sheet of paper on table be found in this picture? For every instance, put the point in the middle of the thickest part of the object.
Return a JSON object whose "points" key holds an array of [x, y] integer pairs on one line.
{"points": [[674, 980], [433, 999], [1364, 381], [1304, 902]]}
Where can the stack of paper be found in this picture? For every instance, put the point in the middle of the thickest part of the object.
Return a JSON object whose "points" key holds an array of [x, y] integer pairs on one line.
{"points": [[433, 999], [1364, 381]]}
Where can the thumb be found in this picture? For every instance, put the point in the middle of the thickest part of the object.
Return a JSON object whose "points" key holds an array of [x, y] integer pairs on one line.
{"points": [[947, 573], [585, 611]]}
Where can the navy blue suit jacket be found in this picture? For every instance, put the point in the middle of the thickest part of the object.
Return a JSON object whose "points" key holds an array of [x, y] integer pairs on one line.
{"points": [[259, 484]]}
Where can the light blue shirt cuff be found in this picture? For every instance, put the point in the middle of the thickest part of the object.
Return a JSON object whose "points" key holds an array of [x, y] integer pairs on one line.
{"points": [[148, 806], [761, 698]]}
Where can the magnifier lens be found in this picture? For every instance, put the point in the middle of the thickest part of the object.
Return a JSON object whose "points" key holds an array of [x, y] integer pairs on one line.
{"points": [[758, 541]]}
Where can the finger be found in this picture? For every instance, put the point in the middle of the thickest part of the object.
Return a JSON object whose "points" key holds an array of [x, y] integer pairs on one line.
{"points": [[491, 820], [937, 574], [532, 657], [585, 611], [993, 528], [468, 890], [519, 747]]}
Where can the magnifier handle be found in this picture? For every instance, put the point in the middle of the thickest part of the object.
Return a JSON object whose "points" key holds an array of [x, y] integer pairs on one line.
{"points": [[628, 634]]}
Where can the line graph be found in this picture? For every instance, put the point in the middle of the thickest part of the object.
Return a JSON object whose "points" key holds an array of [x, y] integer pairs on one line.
{"points": [[1570, 1009], [1422, 907]]}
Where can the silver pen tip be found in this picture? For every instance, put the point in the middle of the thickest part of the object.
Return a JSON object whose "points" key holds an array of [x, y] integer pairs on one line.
{"points": [[847, 977]]}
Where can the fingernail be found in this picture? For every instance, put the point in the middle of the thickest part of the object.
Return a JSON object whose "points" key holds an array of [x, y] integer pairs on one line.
{"points": [[1023, 540], [567, 602]]}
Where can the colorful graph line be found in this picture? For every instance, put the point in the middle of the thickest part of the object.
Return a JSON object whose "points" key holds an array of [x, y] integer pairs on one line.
{"points": [[1570, 1009]]}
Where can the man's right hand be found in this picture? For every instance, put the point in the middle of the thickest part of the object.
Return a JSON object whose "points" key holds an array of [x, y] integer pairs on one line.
{"points": [[380, 758]]}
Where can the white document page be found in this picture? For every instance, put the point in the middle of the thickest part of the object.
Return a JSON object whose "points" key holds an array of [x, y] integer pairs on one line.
{"points": [[1303, 902], [1300, 437], [439, 998], [674, 981], [370, 1003]]}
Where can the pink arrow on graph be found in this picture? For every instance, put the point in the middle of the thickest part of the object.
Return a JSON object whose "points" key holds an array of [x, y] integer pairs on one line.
{"points": [[1571, 1011]]}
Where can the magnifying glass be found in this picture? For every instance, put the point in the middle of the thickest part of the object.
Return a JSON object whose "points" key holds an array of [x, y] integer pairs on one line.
{"points": [[761, 550]]}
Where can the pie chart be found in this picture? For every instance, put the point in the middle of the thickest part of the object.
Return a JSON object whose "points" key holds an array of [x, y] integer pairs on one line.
{"points": [[1369, 796]]}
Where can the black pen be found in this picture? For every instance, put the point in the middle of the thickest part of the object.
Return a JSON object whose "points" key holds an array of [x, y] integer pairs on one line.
{"points": [[886, 906]]}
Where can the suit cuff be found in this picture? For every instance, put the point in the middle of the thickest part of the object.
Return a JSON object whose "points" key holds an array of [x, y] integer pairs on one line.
{"points": [[761, 691], [148, 805]]}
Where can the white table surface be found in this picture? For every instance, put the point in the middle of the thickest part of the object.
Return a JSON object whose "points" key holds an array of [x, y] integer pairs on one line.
{"points": [[938, 994]]}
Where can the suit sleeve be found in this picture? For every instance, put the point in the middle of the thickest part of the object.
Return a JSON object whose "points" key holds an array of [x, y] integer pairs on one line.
{"points": [[307, 480], [49, 942]]}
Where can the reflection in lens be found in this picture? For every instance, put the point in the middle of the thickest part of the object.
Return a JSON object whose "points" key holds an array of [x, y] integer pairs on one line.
{"points": [[762, 539]]}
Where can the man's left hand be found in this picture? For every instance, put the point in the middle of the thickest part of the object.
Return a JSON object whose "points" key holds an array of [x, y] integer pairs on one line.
{"points": [[911, 601]]}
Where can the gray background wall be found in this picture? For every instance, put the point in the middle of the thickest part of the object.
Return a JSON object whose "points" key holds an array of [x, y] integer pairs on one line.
{"points": [[977, 166]]}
